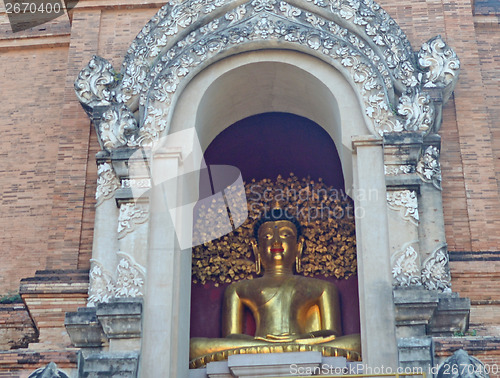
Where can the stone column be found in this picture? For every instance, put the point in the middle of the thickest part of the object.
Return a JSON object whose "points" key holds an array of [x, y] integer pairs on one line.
{"points": [[165, 343], [432, 231], [374, 274], [105, 244]]}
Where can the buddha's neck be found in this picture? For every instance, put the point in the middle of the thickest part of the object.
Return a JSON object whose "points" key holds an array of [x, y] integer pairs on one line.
{"points": [[278, 271]]}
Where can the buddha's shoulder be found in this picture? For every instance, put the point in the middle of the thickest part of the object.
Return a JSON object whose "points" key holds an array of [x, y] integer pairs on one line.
{"points": [[310, 281]]}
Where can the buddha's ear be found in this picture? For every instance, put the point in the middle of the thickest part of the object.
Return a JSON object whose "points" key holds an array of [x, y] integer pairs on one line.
{"points": [[255, 248], [257, 257], [300, 246]]}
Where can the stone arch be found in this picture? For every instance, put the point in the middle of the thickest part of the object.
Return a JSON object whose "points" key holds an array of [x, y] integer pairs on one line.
{"points": [[357, 38]]}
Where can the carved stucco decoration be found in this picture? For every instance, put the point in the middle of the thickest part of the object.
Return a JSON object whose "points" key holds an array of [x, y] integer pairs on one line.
{"points": [[116, 124], [94, 85], [107, 183], [129, 282], [441, 63], [404, 201], [428, 167], [406, 267], [131, 215], [356, 37], [418, 110], [394, 170], [130, 277], [101, 285], [435, 270]]}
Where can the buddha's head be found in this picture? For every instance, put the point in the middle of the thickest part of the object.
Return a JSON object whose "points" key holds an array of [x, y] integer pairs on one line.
{"points": [[279, 244]]}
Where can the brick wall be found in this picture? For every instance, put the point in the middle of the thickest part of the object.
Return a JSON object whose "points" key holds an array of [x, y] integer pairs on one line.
{"points": [[47, 164], [30, 106]]}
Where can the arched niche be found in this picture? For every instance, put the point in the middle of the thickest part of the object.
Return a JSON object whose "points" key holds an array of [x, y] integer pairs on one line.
{"points": [[201, 66], [226, 92], [264, 146]]}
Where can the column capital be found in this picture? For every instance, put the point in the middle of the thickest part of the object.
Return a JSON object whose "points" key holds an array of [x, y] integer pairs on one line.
{"points": [[365, 141]]}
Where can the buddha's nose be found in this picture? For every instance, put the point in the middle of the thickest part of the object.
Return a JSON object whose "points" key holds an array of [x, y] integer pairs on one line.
{"points": [[277, 247]]}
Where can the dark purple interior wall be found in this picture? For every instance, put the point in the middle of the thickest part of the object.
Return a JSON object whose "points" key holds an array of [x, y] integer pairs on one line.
{"points": [[264, 146]]}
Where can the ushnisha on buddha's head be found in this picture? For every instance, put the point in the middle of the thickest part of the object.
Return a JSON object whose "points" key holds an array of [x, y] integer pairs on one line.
{"points": [[279, 243]]}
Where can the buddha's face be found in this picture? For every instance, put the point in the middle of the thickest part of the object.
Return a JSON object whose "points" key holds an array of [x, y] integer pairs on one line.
{"points": [[278, 243]]}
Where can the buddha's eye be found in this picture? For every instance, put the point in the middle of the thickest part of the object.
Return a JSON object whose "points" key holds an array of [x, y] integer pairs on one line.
{"points": [[268, 235]]}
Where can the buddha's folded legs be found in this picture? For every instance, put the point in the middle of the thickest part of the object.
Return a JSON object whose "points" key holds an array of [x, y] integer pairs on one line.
{"points": [[201, 346]]}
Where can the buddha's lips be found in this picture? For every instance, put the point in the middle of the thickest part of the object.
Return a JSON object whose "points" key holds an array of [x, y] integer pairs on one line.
{"points": [[277, 250]]}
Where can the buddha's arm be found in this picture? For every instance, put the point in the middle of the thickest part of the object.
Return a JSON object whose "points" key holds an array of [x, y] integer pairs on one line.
{"points": [[232, 313], [330, 312]]}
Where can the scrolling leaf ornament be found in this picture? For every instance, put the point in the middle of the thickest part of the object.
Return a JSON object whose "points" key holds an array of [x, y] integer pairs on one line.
{"points": [[101, 285], [428, 167], [406, 203], [356, 37], [129, 282], [107, 183], [406, 268], [131, 215], [435, 270]]}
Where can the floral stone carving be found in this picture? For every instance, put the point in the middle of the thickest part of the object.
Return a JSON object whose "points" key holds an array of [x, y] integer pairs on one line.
{"points": [[406, 268], [404, 201], [116, 124], [95, 83], [436, 272], [131, 215], [107, 183], [130, 278], [394, 170], [428, 167], [441, 63], [101, 286]]}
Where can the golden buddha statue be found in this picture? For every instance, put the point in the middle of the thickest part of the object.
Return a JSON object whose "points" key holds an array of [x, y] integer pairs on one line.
{"points": [[291, 312]]}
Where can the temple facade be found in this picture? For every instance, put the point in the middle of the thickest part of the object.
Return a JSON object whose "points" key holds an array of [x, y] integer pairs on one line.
{"points": [[144, 141]]}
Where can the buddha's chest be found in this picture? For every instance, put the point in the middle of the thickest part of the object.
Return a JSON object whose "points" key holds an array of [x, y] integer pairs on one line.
{"points": [[280, 294]]}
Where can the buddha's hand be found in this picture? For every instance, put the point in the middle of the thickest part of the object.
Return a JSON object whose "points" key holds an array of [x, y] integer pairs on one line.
{"points": [[283, 338], [315, 339]]}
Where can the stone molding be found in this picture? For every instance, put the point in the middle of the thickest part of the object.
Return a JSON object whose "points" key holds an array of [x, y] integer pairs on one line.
{"points": [[95, 329], [421, 312], [356, 37]]}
